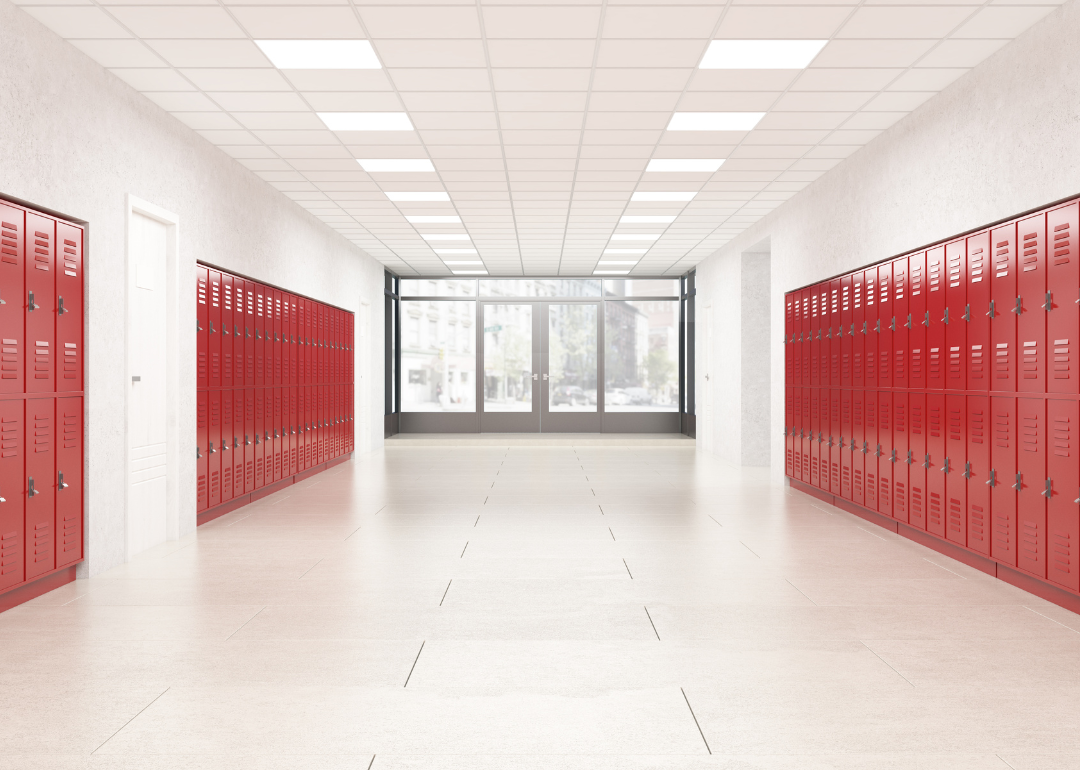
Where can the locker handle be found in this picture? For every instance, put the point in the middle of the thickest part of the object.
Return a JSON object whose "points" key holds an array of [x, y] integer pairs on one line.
{"points": [[864, 327], [60, 306], [893, 458], [926, 462], [1077, 500], [60, 481], [831, 444], [967, 470], [211, 327], [926, 320], [877, 452], [31, 307], [1019, 482], [198, 454], [910, 459], [945, 468], [3, 302], [785, 431], [1019, 309], [841, 442], [865, 447], [276, 434], [801, 433], [1049, 305], [991, 313], [852, 332], [893, 324], [967, 313], [235, 442], [247, 440], [211, 450], [30, 486], [945, 320], [1049, 491], [993, 478], [266, 436], [236, 330], [829, 335], [247, 332], [224, 446], [877, 328], [258, 335], [198, 326], [256, 439]]}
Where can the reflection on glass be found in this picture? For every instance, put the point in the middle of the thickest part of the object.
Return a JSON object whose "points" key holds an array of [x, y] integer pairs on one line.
{"points": [[539, 287], [641, 360], [429, 287], [438, 364], [641, 287], [508, 344], [572, 358]]}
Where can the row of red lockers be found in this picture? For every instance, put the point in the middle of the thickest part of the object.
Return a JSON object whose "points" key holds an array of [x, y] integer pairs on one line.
{"points": [[251, 335], [41, 315], [41, 486], [992, 311], [249, 438]]}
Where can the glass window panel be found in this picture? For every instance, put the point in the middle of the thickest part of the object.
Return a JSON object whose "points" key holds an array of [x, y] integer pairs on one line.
{"points": [[539, 287], [641, 360], [641, 287], [431, 287], [508, 358], [437, 376], [572, 358]]}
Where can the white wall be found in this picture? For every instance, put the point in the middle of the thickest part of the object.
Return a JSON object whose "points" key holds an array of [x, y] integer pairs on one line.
{"points": [[1003, 139], [76, 139]]}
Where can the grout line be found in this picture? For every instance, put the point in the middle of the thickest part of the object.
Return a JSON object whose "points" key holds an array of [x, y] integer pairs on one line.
{"points": [[1051, 619], [444, 593], [411, 670], [864, 644], [463, 549], [144, 708], [874, 534], [944, 568], [612, 534], [353, 533], [486, 499], [651, 623], [234, 633], [1005, 761], [631, 574], [751, 550], [696, 723], [717, 523], [377, 512], [593, 491], [801, 591], [309, 569], [372, 762], [601, 508], [477, 520]]}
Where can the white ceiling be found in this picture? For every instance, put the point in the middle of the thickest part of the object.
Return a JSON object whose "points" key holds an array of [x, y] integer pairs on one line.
{"points": [[539, 118]]}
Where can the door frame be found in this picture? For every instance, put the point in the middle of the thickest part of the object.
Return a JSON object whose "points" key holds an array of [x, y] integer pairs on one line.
{"points": [[179, 519], [510, 422], [570, 422]]}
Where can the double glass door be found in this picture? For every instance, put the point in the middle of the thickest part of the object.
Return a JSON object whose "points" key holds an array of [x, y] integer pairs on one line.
{"points": [[540, 367]]}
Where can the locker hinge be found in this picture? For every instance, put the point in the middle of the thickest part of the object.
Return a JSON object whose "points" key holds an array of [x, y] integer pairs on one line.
{"points": [[1049, 491], [967, 470], [31, 307], [926, 462], [945, 320], [864, 327], [877, 328], [967, 313], [30, 487], [893, 324], [211, 450], [60, 306], [945, 467], [60, 481], [198, 453], [908, 324], [926, 320], [1019, 309], [1019, 482], [893, 458], [865, 447], [991, 313], [992, 482], [909, 459], [877, 452], [1049, 304]]}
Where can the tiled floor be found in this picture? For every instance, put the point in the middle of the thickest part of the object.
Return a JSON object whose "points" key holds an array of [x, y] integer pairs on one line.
{"points": [[487, 608]]}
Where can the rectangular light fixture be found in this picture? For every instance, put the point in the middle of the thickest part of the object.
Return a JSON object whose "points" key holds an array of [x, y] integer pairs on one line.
{"points": [[610, 262], [429, 219], [714, 121], [320, 54], [421, 196], [462, 262], [611, 272], [635, 236], [685, 165], [630, 219], [388, 165], [625, 251], [455, 251], [761, 54], [445, 236], [366, 121], [469, 272], [661, 195]]}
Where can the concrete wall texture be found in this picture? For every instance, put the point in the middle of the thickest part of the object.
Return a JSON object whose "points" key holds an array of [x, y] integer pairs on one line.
{"points": [[77, 140], [1000, 140]]}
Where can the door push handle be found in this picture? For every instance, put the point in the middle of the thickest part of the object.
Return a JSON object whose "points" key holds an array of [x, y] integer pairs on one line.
{"points": [[967, 470], [991, 313], [60, 481], [877, 452], [536, 376], [967, 313], [926, 462], [31, 306], [992, 482], [60, 306], [1049, 304], [1019, 482], [908, 324], [1019, 309], [945, 320], [211, 450], [30, 487], [1049, 491], [945, 467], [893, 324], [909, 459], [926, 319], [893, 458]]}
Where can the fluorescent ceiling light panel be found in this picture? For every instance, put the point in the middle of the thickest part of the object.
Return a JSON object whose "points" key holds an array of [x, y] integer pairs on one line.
{"points": [[421, 196], [320, 54], [761, 54], [635, 236], [685, 165], [455, 251], [366, 121], [609, 262], [445, 236], [714, 121], [625, 251], [630, 219], [434, 220], [661, 195], [462, 262], [469, 272], [388, 165], [611, 272]]}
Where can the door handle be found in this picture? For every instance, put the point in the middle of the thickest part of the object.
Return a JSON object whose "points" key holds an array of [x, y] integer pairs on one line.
{"points": [[60, 306], [909, 460], [993, 479], [877, 327], [211, 327], [1019, 309], [893, 458], [865, 447], [945, 467], [247, 440], [864, 327], [926, 319], [536, 376], [893, 324], [706, 376], [224, 446], [926, 462], [945, 320], [829, 335], [60, 481], [821, 437], [991, 313], [1049, 491], [841, 443], [256, 439], [247, 332], [1049, 305], [967, 470], [30, 487], [235, 442], [908, 324], [211, 450], [877, 452], [31, 307], [1019, 482], [967, 313], [236, 330]]}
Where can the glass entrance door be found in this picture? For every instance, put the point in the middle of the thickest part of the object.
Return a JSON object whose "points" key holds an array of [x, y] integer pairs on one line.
{"points": [[570, 367], [511, 378]]}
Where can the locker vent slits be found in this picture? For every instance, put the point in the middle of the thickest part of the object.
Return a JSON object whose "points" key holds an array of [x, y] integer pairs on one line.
{"points": [[1061, 359], [1031, 360], [1062, 243], [1062, 436]]}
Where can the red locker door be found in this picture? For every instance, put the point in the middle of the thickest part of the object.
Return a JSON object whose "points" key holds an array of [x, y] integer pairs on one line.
{"points": [[920, 318], [1004, 483], [259, 322], [978, 307], [791, 337], [69, 480], [935, 465], [279, 323], [248, 331], [935, 325], [804, 337], [899, 456], [956, 439], [202, 463], [977, 469], [883, 328], [12, 524], [225, 447], [900, 323], [227, 304], [1031, 501], [213, 442], [917, 460], [870, 335], [1062, 514], [352, 419], [1062, 282], [858, 447], [845, 443], [215, 331], [310, 448], [870, 443], [832, 336], [236, 451], [40, 304], [260, 438], [844, 334], [69, 307], [202, 327], [883, 449], [295, 433], [815, 424], [249, 440], [12, 312], [1003, 310], [1031, 286], [857, 330], [789, 431], [956, 314], [815, 343], [40, 490], [324, 432], [278, 435], [803, 442]]}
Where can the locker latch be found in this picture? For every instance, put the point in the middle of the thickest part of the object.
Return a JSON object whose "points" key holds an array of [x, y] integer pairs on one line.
{"points": [[266, 436], [1049, 491], [224, 446], [829, 334], [30, 487], [276, 434], [1019, 309], [841, 442], [945, 320], [967, 313], [945, 467], [831, 444], [211, 450], [877, 452], [893, 324], [292, 430], [878, 327], [1049, 304], [926, 462], [224, 330], [60, 306], [991, 313], [198, 326], [967, 470], [258, 335], [784, 338], [1019, 482], [247, 440], [198, 453], [785, 431], [247, 333], [236, 330], [909, 459], [211, 327], [893, 458], [235, 442], [1077, 500], [993, 478], [60, 481], [864, 327], [926, 320], [852, 332], [30, 307], [865, 447], [818, 336], [256, 439], [908, 324]]}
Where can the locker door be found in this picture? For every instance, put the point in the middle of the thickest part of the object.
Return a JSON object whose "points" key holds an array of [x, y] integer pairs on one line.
{"points": [[249, 334], [203, 326], [956, 314], [956, 439], [832, 335], [804, 338], [791, 323], [846, 441], [237, 455], [213, 440], [978, 470], [804, 436], [215, 330], [1062, 281], [69, 480], [789, 431], [844, 333], [1062, 514], [1003, 481], [871, 441], [815, 343], [899, 456], [858, 447], [916, 461], [294, 342], [978, 305], [1003, 304], [815, 426], [259, 322], [900, 323], [40, 489], [69, 307], [870, 335], [12, 524], [324, 432], [917, 310], [295, 435], [855, 330], [935, 327], [278, 324], [260, 436], [1031, 325], [226, 331], [202, 463], [352, 420], [1031, 500], [883, 327], [278, 437], [12, 312], [249, 440], [883, 450], [40, 305], [935, 465], [225, 447]]}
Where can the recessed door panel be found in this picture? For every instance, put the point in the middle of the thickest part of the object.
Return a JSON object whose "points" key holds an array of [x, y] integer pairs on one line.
{"points": [[40, 489], [1034, 301], [870, 334], [899, 457], [917, 461], [883, 451], [13, 548], [883, 334], [832, 335], [1004, 309], [815, 444], [69, 480], [846, 441], [202, 451], [858, 446], [260, 438], [934, 464], [919, 318], [1004, 483], [846, 320], [934, 320], [957, 315], [249, 440], [214, 447], [214, 330], [834, 441], [228, 300], [956, 472], [900, 323], [869, 448]]}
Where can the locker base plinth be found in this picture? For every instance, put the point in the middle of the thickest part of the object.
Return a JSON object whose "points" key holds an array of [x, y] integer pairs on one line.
{"points": [[217, 511], [1033, 585], [37, 587]]}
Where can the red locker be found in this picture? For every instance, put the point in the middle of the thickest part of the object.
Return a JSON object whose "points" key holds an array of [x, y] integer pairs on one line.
{"points": [[12, 312], [1063, 281], [789, 431], [295, 346], [858, 447], [846, 442], [1004, 482], [957, 314], [202, 438], [236, 451], [857, 330], [278, 324], [276, 436], [935, 324], [352, 418], [40, 305], [260, 320], [227, 323], [12, 511], [202, 327], [249, 334], [213, 444], [900, 323], [918, 460], [225, 448], [899, 456], [295, 434], [804, 337], [832, 337], [956, 469], [260, 437], [883, 328], [978, 474], [1031, 502], [791, 323], [1004, 309], [883, 449], [920, 319], [40, 489], [1034, 303], [935, 463], [310, 427], [1062, 513], [250, 442], [69, 480], [870, 334], [816, 311], [978, 308], [870, 447], [69, 308], [215, 332]]}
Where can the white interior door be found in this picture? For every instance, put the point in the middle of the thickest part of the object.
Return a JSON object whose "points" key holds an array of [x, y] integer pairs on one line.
{"points": [[363, 379], [147, 404]]}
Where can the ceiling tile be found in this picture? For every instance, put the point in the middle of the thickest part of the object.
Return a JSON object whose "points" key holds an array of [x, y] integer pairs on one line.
{"points": [[299, 22], [837, 101], [541, 21], [661, 21], [73, 22], [904, 21], [154, 79], [279, 120], [793, 22], [338, 80], [742, 80], [210, 53], [864, 79], [637, 79], [650, 53], [541, 53], [353, 101], [237, 79], [255, 101], [119, 53], [178, 101], [165, 22], [926, 79], [434, 101], [441, 79], [872, 53], [541, 79]]}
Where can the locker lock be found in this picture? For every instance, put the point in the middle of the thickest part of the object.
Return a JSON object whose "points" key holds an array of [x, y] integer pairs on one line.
{"points": [[1019, 309], [841, 442], [910, 459], [877, 452], [211, 327], [877, 328], [60, 481], [820, 437], [31, 306], [30, 487], [865, 447], [926, 319], [908, 324], [992, 482], [967, 470], [256, 439], [926, 462], [945, 467], [211, 450], [893, 324], [945, 320], [831, 444], [235, 442], [864, 327], [1019, 482], [224, 446], [1049, 304], [967, 313], [893, 458], [247, 440], [991, 313], [60, 306], [1049, 491]]}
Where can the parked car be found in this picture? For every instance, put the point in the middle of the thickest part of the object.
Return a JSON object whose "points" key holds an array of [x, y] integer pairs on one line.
{"points": [[639, 396], [616, 397], [569, 394], [591, 395]]}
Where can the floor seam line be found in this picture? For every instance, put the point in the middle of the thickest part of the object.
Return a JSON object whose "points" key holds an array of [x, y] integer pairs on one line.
{"points": [[696, 723], [411, 670], [867, 646], [651, 623], [144, 708], [234, 633], [444, 593]]}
